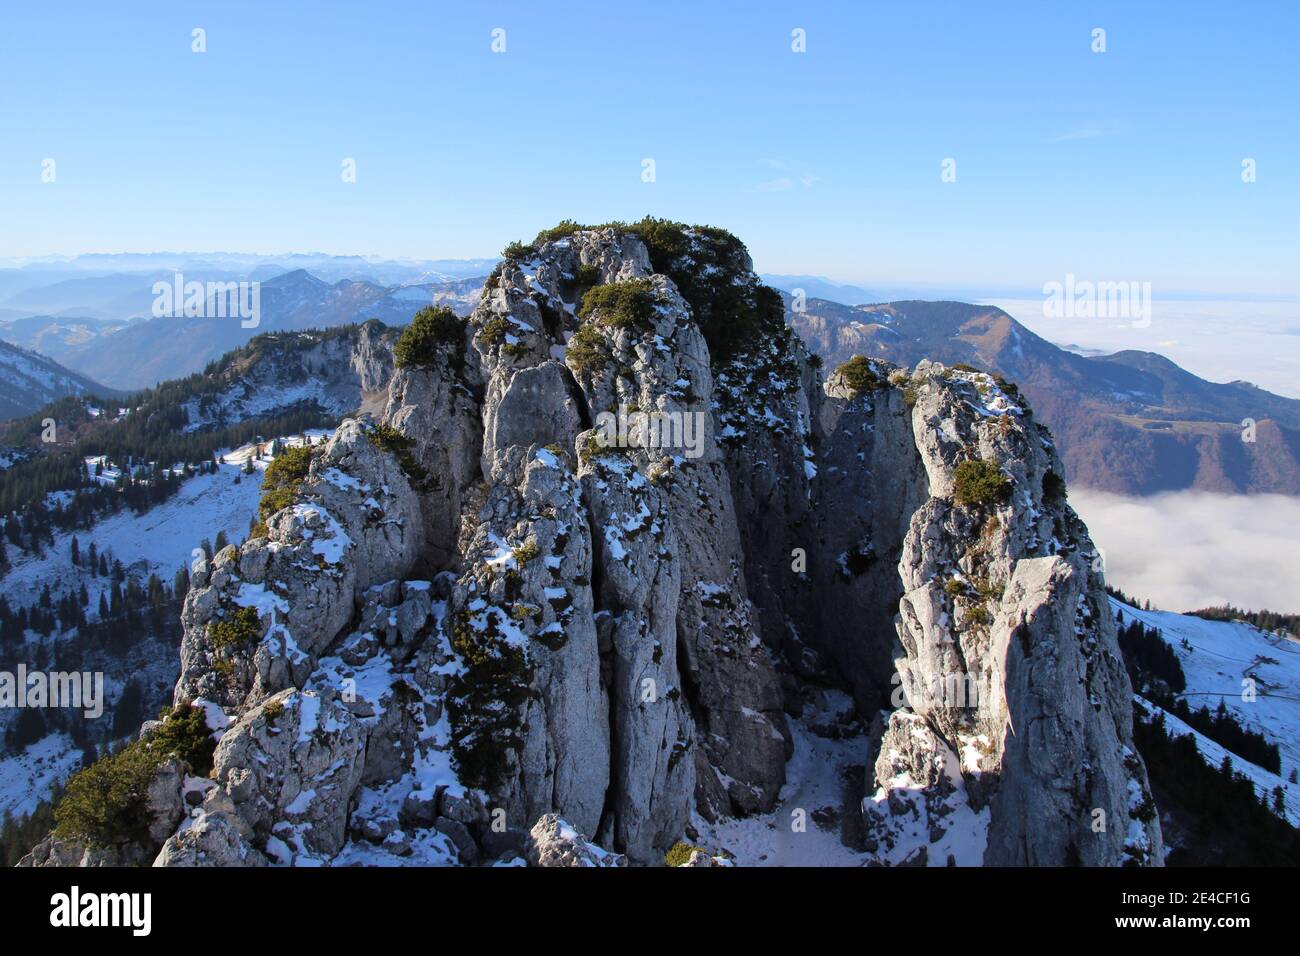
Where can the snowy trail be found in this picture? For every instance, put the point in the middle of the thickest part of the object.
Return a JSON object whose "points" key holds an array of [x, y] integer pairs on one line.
{"points": [[817, 770], [814, 781]]}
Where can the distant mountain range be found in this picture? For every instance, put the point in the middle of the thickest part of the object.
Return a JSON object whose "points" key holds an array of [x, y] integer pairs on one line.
{"points": [[143, 352], [1132, 422], [19, 275], [94, 313], [820, 288]]}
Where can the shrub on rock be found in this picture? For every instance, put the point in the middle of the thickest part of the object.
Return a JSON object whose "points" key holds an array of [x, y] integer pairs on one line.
{"points": [[433, 329], [979, 483], [858, 375]]}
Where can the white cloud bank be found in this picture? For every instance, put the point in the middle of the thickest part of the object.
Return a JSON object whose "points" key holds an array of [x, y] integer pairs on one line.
{"points": [[1191, 549]]}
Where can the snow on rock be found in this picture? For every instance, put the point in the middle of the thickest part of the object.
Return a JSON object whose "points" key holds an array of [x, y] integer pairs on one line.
{"points": [[921, 814], [554, 843], [804, 828]]}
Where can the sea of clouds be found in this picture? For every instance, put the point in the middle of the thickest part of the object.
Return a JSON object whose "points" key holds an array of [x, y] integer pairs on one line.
{"points": [[1192, 549]]}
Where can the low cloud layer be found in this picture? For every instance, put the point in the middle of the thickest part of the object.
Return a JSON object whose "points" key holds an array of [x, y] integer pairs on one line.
{"points": [[1191, 549]]}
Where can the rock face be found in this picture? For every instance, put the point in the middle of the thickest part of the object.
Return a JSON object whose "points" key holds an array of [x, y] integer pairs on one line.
{"points": [[520, 600], [560, 591], [435, 408], [553, 842], [1008, 654], [356, 520]]}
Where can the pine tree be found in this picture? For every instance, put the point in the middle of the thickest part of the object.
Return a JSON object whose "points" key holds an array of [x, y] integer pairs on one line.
{"points": [[129, 713], [27, 729]]}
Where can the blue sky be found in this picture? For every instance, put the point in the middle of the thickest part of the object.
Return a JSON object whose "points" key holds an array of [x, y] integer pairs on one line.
{"points": [[1119, 165]]}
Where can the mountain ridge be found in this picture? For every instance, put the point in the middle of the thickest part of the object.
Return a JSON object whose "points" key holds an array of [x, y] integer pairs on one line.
{"points": [[145, 352], [30, 381], [1132, 422]]}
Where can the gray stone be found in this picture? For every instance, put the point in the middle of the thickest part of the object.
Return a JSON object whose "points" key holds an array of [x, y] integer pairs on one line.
{"points": [[554, 843], [504, 845], [166, 807], [209, 840], [458, 833]]}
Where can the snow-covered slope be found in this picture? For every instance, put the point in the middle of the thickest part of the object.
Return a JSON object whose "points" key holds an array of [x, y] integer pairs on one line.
{"points": [[1265, 782], [29, 380], [1220, 657], [27, 778], [804, 828], [162, 540]]}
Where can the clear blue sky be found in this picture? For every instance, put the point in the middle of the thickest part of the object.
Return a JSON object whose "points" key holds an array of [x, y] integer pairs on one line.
{"points": [[1121, 165]]}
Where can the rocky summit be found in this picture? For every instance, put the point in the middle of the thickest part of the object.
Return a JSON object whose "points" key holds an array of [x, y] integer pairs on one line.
{"points": [[611, 570]]}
